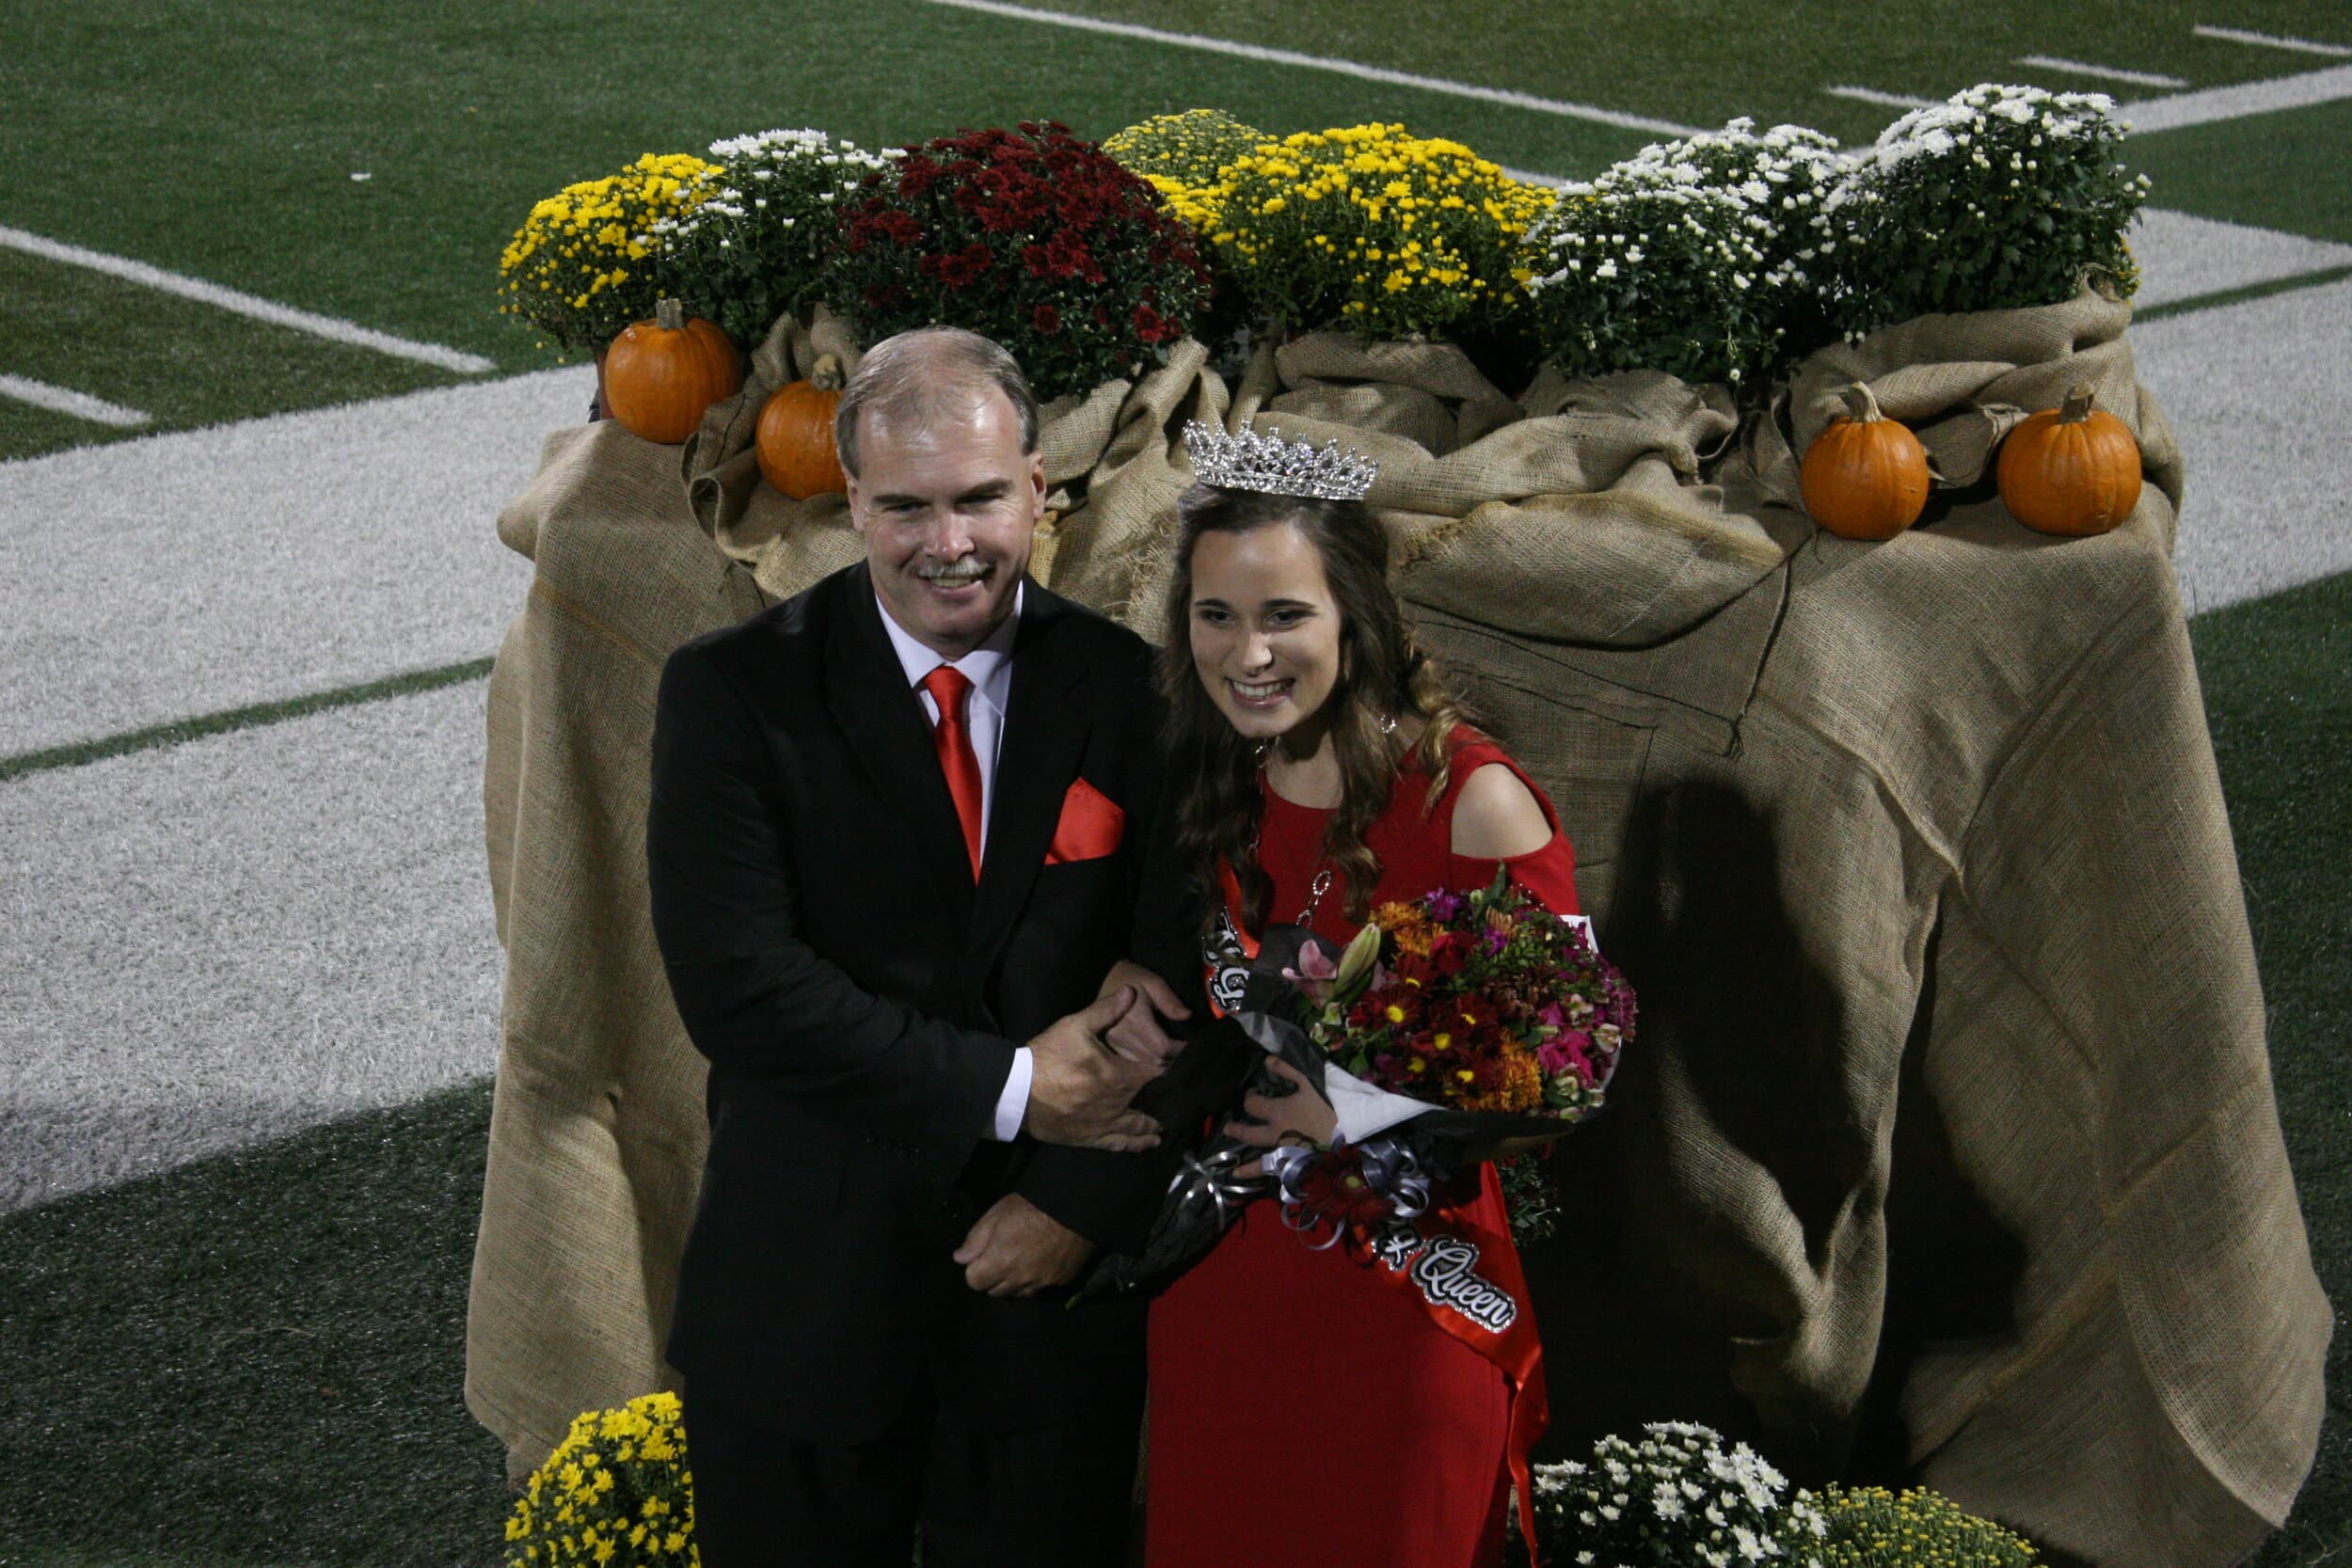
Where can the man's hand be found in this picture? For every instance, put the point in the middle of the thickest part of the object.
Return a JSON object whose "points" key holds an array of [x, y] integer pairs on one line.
{"points": [[1079, 1091], [1018, 1249], [1138, 1036]]}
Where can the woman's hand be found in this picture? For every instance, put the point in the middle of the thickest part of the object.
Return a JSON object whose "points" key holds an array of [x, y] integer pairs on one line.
{"points": [[1297, 1112]]}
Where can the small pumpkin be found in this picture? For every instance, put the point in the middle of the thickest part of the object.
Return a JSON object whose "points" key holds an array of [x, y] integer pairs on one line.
{"points": [[2073, 469], [794, 437], [1864, 477], [661, 375]]}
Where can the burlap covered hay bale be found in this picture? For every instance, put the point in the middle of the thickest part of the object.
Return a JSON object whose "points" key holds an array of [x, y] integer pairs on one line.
{"points": [[1114, 463], [1929, 825], [597, 1129]]}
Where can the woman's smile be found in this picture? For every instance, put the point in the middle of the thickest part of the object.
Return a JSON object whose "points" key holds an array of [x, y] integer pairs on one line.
{"points": [[1260, 695]]}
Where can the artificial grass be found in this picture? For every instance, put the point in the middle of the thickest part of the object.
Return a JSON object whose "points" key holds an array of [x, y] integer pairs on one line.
{"points": [[222, 142], [2282, 170], [2278, 683], [181, 362], [255, 1359], [241, 718]]}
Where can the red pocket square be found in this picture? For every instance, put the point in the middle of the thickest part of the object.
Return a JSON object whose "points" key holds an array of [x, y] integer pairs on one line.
{"points": [[1091, 823]]}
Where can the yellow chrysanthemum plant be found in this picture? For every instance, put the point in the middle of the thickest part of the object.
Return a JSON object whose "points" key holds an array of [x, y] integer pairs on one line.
{"points": [[615, 1493], [579, 269], [1184, 156], [1371, 229]]}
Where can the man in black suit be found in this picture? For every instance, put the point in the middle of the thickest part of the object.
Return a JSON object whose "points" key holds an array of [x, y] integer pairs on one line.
{"points": [[898, 828]]}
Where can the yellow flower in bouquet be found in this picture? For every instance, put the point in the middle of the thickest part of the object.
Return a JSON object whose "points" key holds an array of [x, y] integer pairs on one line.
{"points": [[1372, 228], [616, 1491], [578, 269]]}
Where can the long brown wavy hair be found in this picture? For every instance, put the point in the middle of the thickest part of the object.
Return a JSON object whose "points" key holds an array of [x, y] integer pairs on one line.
{"points": [[1382, 677]]}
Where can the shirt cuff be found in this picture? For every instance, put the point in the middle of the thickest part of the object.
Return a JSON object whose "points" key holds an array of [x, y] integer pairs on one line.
{"points": [[1012, 1106]]}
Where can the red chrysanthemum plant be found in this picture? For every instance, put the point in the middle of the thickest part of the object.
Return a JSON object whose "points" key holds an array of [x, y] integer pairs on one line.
{"points": [[1030, 236]]}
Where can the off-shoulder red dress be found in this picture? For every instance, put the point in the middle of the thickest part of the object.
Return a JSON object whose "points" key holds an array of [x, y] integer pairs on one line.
{"points": [[1303, 1412]]}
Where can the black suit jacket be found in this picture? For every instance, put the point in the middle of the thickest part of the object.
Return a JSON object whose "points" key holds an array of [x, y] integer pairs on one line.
{"points": [[860, 1002]]}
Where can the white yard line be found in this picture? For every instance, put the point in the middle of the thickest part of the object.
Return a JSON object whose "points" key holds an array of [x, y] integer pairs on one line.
{"points": [[1318, 62], [2258, 404], [1885, 100], [238, 938], [2113, 72], [2236, 103], [2183, 257], [80, 404], [2272, 41], [243, 304]]}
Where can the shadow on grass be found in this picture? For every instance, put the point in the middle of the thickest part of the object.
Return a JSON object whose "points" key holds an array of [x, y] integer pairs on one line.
{"points": [[2278, 683], [257, 1358]]}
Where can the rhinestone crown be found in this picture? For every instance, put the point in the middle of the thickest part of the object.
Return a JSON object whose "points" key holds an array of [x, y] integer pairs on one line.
{"points": [[1277, 468]]}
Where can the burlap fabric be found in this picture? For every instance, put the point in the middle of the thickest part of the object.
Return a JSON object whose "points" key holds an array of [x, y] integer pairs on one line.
{"points": [[1928, 826], [597, 1135]]}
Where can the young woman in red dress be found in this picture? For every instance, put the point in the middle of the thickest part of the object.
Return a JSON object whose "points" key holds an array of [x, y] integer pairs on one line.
{"points": [[1304, 1411]]}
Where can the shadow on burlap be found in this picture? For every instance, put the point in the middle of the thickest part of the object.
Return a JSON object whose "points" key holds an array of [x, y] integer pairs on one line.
{"points": [[1932, 823]]}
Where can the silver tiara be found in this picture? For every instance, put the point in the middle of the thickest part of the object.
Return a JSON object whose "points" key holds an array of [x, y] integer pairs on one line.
{"points": [[1277, 468]]}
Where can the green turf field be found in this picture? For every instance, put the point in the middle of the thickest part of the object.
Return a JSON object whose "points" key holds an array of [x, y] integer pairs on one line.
{"points": [[222, 144], [255, 1359]]}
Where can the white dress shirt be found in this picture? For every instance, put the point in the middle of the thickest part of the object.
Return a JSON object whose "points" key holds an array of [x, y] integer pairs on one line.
{"points": [[989, 668]]}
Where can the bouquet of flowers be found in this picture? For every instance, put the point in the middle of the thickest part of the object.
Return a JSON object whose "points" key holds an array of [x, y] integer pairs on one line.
{"points": [[579, 269], [753, 245], [1483, 1002], [1371, 229], [1451, 1025], [1030, 236], [617, 1490], [1681, 1496], [1998, 198]]}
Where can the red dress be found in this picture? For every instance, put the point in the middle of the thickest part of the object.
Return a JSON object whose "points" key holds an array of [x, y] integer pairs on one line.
{"points": [[1302, 1412]]}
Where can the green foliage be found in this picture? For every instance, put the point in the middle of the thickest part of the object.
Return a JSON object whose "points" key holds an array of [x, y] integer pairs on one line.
{"points": [[1997, 199]]}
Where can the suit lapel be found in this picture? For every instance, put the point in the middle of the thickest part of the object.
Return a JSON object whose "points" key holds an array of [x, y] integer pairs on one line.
{"points": [[878, 711], [1043, 743]]}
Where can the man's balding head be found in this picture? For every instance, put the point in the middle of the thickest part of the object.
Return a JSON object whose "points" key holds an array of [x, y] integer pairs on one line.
{"points": [[918, 378]]}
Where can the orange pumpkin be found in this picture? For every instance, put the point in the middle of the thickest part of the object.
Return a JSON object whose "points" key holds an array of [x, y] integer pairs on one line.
{"points": [[2073, 469], [661, 375], [1864, 477], [794, 438]]}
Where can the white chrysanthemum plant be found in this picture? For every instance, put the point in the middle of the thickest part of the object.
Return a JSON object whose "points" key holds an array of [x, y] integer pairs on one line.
{"points": [[1687, 258], [755, 246], [1682, 1495], [2000, 198]]}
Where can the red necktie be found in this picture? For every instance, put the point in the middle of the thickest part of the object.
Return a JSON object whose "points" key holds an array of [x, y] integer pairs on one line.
{"points": [[949, 687]]}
